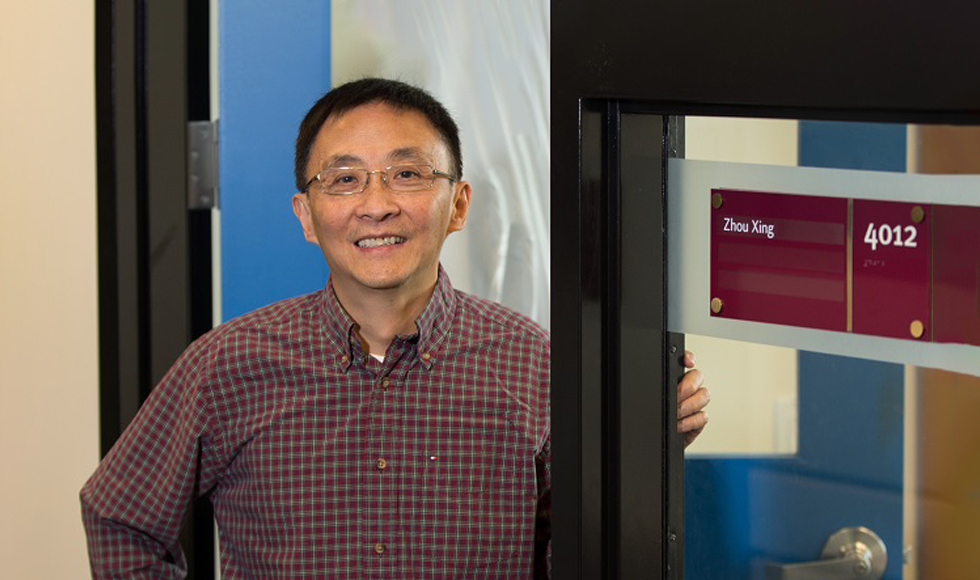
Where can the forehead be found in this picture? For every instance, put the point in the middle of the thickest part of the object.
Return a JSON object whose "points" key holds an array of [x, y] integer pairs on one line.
{"points": [[375, 133]]}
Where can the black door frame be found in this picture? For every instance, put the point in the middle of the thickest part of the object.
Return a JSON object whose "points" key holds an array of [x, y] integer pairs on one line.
{"points": [[155, 297], [615, 63]]}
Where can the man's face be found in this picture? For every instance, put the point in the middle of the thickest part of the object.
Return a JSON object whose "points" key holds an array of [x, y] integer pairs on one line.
{"points": [[349, 228]]}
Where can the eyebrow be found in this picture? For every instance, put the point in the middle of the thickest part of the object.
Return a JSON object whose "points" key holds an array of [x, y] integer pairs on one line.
{"points": [[400, 154], [344, 161], [407, 153]]}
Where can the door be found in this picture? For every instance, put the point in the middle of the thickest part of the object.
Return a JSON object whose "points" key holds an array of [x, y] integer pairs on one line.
{"points": [[871, 446], [848, 458]]}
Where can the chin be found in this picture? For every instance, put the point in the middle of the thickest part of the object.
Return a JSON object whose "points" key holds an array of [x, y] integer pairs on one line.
{"points": [[382, 282]]}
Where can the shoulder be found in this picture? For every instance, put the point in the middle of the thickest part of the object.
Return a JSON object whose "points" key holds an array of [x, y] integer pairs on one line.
{"points": [[286, 321], [284, 314], [505, 344], [291, 317], [486, 318], [514, 352]]}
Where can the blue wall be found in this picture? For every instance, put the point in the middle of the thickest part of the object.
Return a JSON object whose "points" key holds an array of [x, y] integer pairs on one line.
{"points": [[274, 63]]}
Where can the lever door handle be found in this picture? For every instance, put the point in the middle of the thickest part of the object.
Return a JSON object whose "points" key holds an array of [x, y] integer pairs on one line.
{"points": [[850, 553]]}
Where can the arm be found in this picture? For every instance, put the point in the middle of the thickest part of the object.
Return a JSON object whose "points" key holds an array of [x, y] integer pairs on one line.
{"points": [[134, 503], [692, 398]]}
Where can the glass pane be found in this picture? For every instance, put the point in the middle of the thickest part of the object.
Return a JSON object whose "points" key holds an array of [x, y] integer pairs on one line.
{"points": [[815, 430], [762, 374]]}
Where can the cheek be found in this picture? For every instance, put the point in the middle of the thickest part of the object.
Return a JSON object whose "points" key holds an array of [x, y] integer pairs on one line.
{"points": [[330, 224], [438, 213]]}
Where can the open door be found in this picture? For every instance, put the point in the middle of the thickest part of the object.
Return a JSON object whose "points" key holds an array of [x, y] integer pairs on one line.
{"points": [[859, 310]]}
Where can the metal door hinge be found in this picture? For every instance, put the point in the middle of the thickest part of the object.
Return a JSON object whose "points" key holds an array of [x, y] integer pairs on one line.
{"points": [[202, 164]]}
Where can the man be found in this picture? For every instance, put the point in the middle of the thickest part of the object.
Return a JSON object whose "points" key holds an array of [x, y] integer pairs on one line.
{"points": [[386, 426]]}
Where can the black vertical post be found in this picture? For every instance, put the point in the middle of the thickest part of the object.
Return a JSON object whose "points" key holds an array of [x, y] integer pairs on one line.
{"points": [[611, 394], [566, 403], [108, 236], [615, 508], [148, 240], [198, 536], [121, 286], [642, 391], [594, 137], [199, 109], [609, 387], [673, 474]]}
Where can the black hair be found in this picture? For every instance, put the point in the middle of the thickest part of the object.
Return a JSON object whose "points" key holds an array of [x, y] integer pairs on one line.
{"points": [[397, 94]]}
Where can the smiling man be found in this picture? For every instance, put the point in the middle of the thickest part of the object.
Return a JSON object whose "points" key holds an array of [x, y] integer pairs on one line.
{"points": [[387, 426], [381, 231]]}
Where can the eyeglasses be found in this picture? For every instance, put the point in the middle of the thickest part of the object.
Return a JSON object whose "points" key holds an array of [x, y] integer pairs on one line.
{"points": [[350, 180]]}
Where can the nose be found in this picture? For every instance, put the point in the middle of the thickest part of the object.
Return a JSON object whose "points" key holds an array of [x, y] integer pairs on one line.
{"points": [[377, 202]]}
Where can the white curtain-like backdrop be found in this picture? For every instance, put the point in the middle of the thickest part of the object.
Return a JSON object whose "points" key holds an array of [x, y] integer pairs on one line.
{"points": [[489, 63]]}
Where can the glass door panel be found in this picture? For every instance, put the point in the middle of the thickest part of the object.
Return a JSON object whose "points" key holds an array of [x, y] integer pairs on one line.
{"points": [[823, 442]]}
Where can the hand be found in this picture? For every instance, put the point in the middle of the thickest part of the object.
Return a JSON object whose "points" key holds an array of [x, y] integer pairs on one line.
{"points": [[692, 398]]}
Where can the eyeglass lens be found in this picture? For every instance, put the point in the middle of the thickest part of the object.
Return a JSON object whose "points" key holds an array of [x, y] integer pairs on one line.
{"points": [[347, 180]]}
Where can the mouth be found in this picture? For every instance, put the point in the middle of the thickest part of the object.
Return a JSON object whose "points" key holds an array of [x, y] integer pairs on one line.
{"points": [[379, 242]]}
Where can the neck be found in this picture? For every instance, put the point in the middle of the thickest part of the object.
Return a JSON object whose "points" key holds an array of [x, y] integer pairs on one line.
{"points": [[382, 314]]}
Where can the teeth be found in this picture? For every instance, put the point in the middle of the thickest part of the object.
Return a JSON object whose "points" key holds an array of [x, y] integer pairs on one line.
{"points": [[376, 242]]}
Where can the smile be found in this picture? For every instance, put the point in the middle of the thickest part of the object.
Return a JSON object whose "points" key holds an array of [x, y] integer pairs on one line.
{"points": [[378, 242]]}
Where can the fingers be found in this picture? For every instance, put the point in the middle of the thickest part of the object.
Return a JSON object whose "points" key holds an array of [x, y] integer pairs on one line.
{"points": [[692, 426], [690, 383], [693, 404], [694, 423], [692, 398]]}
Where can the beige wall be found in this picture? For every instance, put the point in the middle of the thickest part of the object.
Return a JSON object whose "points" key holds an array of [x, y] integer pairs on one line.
{"points": [[48, 315]]}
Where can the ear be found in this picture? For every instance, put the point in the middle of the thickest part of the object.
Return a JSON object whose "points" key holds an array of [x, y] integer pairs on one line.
{"points": [[461, 205], [301, 207]]}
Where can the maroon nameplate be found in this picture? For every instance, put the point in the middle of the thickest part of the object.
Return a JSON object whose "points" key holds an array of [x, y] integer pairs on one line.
{"points": [[779, 258], [882, 268], [891, 269]]}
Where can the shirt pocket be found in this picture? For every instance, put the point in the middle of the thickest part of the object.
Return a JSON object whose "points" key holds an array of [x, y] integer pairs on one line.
{"points": [[482, 457], [479, 492]]}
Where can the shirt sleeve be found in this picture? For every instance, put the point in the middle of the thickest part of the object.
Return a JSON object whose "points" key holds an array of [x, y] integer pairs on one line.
{"points": [[134, 504], [542, 531]]}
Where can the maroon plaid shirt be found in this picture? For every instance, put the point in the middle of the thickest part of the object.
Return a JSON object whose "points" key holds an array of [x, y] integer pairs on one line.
{"points": [[324, 462]]}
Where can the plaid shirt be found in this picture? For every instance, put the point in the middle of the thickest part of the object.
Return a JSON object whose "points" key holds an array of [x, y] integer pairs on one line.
{"points": [[323, 462]]}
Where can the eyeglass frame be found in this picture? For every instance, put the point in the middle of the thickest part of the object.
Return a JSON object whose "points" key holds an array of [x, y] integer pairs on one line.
{"points": [[384, 178]]}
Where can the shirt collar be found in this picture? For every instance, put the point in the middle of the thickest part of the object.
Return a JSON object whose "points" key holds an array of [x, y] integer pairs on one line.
{"points": [[338, 327], [433, 323], [435, 320]]}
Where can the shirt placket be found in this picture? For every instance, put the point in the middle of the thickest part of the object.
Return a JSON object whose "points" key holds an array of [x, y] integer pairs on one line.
{"points": [[382, 537]]}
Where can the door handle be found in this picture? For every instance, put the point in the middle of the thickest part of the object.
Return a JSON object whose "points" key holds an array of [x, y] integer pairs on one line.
{"points": [[852, 553]]}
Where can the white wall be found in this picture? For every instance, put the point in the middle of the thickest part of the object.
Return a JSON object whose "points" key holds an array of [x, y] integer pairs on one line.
{"points": [[489, 64], [48, 315]]}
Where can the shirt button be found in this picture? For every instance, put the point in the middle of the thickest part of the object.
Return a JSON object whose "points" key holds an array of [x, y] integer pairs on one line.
{"points": [[344, 359], [426, 356], [379, 548], [382, 464], [385, 383]]}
